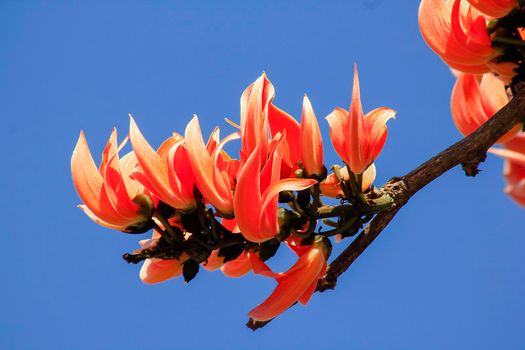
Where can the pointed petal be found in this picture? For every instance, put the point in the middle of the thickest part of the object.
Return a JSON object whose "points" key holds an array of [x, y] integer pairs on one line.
{"points": [[155, 168], [311, 140]]}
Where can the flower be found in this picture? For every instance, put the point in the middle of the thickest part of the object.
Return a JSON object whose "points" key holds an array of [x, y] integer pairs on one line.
{"points": [[514, 167], [311, 141], [165, 173], [257, 192], [475, 100], [457, 33], [358, 139], [295, 285], [213, 176], [111, 198], [494, 8]]}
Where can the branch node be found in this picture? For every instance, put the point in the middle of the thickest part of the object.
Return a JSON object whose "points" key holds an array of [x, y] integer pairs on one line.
{"points": [[471, 167]]}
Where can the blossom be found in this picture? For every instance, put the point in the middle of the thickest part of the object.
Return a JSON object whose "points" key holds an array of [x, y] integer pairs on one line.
{"points": [[358, 139], [457, 33], [514, 167], [311, 141], [165, 173], [330, 187], [295, 285], [475, 100], [213, 177], [110, 197], [257, 192], [494, 8]]}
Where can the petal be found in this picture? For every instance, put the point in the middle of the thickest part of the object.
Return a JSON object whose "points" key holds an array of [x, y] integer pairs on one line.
{"points": [[157, 270], [217, 193], [337, 121], [280, 121], [311, 140], [291, 285], [155, 169], [247, 198]]}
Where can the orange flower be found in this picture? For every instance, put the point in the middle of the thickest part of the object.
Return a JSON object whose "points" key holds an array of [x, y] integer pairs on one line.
{"points": [[494, 8], [311, 140], [475, 100], [514, 167], [358, 139], [457, 33], [295, 285], [330, 186], [110, 197], [213, 180], [257, 193], [165, 173]]}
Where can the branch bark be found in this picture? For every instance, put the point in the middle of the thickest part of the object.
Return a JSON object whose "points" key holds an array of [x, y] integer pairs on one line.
{"points": [[469, 152]]}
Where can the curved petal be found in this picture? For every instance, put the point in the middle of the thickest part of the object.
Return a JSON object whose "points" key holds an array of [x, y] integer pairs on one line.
{"points": [[157, 270], [214, 191], [291, 285]]}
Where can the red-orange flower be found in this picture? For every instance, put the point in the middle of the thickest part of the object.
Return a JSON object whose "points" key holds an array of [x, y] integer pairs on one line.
{"points": [[457, 33], [494, 8], [257, 192], [475, 100], [110, 197], [166, 172], [295, 285], [358, 139], [212, 177]]}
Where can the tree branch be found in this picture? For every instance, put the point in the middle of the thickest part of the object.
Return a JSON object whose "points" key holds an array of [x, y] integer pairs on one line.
{"points": [[469, 152]]}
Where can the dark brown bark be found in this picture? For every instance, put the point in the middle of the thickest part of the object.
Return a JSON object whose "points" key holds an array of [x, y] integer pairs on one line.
{"points": [[469, 152]]}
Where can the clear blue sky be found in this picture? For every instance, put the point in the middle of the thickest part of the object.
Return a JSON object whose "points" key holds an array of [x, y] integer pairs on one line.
{"points": [[449, 273]]}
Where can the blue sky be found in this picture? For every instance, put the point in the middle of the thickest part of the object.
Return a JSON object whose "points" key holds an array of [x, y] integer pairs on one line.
{"points": [[449, 272]]}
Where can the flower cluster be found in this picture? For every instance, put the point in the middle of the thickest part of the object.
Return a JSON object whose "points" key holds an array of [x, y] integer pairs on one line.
{"points": [[475, 36], [207, 208], [483, 42]]}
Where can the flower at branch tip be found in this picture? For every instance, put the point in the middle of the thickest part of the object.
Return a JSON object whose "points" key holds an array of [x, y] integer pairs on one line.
{"points": [[311, 140], [257, 192], [514, 167], [330, 187], [165, 173], [295, 285], [213, 180], [458, 34], [494, 8], [358, 139], [475, 99], [111, 198]]}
